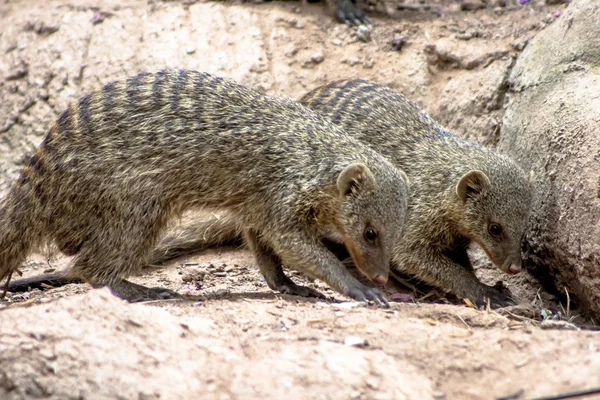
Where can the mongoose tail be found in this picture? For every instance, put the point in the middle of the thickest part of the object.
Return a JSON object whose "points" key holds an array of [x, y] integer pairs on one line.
{"points": [[193, 236], [21, 228]]}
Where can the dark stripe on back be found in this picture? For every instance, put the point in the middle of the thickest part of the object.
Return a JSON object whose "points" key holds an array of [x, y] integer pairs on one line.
{"points": [[33, 162], [342, 92], [158, 88], [50, 136], [85, 115], [132, 90], [24, 177], [65, 122], [318, 93], [199, 93], [356, 112], [369, 91], [109, 101], [350, 95], [178, 88]]}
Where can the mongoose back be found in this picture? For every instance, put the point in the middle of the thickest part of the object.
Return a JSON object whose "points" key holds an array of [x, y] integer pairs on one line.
{"points": [[124, 160], [460, 192]]}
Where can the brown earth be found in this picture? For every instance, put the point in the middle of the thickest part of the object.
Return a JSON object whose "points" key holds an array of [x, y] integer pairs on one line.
{"points": [[232, 337]]}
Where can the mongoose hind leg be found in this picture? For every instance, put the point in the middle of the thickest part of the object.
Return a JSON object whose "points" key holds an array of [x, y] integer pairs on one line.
{"points": [[270, 266], [120, 246]]}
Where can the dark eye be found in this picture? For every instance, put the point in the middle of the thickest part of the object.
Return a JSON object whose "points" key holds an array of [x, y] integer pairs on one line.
{"points": [[495, 230], [370, 235]]}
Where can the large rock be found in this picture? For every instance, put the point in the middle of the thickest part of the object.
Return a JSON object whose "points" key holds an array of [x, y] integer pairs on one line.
{"points": [[97, 346], [552, 125]]}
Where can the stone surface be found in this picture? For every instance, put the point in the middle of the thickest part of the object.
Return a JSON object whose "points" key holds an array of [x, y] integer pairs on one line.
{"points": [[552, 126]]}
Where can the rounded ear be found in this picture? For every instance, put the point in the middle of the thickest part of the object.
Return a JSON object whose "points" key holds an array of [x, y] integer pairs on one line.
{"points": [[353, 178], [472, 184]]}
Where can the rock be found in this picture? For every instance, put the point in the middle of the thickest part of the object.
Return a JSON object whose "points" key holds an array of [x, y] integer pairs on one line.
{"points": [[447, 54], [471, 103], [192, 276], [97, 346], [551, 126], [355, 341]]}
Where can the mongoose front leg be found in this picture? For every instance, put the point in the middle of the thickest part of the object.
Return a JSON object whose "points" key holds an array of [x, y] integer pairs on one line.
{"points": [[439, 270], [310, 256], [270, 267]]}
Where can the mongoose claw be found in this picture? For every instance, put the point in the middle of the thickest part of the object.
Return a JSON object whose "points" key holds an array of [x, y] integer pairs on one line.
{"points": [[347, 13], [297, 290], [367, 294]]}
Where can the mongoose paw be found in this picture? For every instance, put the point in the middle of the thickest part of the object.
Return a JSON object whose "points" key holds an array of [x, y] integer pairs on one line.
{"points": [[134, 293], [347, 13], [158, 293], [297, 290], [366, 294], [498, 296]]}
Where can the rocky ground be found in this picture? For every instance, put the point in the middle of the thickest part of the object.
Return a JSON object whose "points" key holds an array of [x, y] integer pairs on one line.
{"points": [[232, 337]]}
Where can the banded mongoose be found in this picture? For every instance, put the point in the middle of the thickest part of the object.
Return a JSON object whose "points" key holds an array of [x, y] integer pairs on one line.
{"points": [[460, 192], [451, 204], [120, 163]]}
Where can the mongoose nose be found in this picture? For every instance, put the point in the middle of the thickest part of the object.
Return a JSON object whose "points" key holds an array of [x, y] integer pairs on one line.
{"points": [[514, 268], [381, 279]]}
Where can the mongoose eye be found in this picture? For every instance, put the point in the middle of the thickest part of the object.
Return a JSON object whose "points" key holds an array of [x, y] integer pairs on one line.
{"points": [[495, 230], [370, 234]]}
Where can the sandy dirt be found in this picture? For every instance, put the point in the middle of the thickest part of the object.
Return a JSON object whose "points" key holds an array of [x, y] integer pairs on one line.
{"points": [[232, 337]]}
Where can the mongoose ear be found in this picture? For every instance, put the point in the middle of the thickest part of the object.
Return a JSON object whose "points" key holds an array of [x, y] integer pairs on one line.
{"points": [[353, 178], [472, 184]]}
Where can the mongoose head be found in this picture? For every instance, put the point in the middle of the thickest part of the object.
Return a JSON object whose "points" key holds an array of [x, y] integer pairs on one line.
{"points": [[496, 212], [370, 220]]}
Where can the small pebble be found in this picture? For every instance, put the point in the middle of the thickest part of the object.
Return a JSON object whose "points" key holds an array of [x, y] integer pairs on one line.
{"points": [[363, 33], [97, 17], [192, 276], [317, 58], [348, 305], [355, 341]]}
